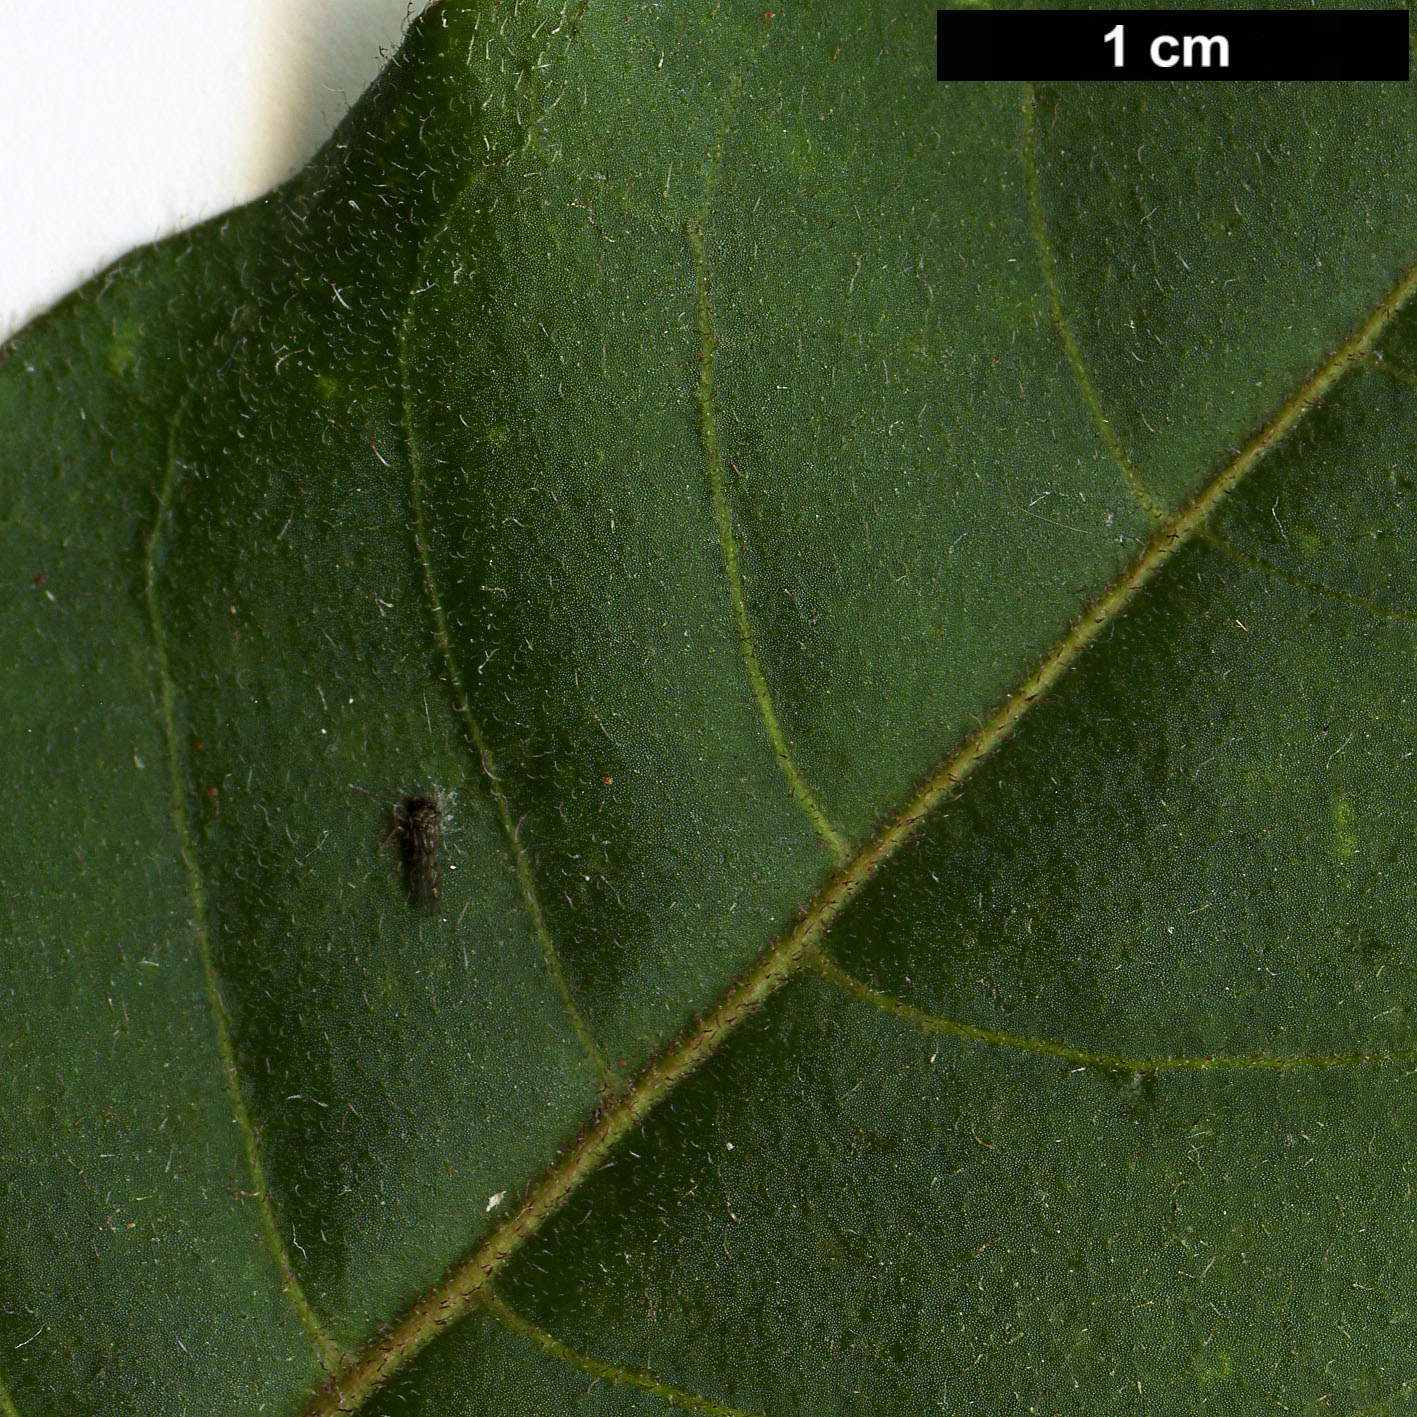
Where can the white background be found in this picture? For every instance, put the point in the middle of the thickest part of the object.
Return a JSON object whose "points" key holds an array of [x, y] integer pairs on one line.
{"points": [[122, 120]]}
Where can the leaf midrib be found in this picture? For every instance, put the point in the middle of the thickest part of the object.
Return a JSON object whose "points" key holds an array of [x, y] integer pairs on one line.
{"points": [[468, 1284]]}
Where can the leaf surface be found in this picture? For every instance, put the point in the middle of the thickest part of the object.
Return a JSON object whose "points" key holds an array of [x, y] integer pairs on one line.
{"points": [[903, 596]]}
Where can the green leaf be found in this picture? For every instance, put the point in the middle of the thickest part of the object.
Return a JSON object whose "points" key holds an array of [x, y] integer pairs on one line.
{"points": [[904, 597]]}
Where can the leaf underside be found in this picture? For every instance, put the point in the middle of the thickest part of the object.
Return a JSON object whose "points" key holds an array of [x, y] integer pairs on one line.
{"points": [[682, 445]]}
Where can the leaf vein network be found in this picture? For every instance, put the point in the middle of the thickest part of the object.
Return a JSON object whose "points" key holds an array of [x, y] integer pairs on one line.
{"points": [[467, 1285]]}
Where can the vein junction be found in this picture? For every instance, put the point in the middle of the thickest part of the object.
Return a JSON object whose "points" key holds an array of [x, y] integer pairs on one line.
{"points": [[603, 1371], [718, 486], [1143, 495], [469, 1284]]}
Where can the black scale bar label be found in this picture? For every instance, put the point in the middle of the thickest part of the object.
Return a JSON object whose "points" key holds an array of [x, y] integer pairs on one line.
{"points": [[1049, 45]]}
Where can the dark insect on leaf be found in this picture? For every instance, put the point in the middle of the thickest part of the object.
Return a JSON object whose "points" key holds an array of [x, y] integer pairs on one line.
{"points": [[418, 823]]}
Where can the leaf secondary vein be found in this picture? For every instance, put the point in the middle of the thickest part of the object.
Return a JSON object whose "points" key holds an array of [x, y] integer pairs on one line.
{"points": [[1119, 1062], [331, 1354], [466, 1286], [609, 1372], [1225, 547], [718, 486], [462, 706], [1139, 490]]}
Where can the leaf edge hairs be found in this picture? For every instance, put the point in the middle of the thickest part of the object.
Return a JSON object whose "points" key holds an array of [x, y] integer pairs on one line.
{"points": [[418, 823]]}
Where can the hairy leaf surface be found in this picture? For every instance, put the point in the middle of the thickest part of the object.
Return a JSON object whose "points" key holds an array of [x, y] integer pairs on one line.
{"points": [[903, 596]]}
